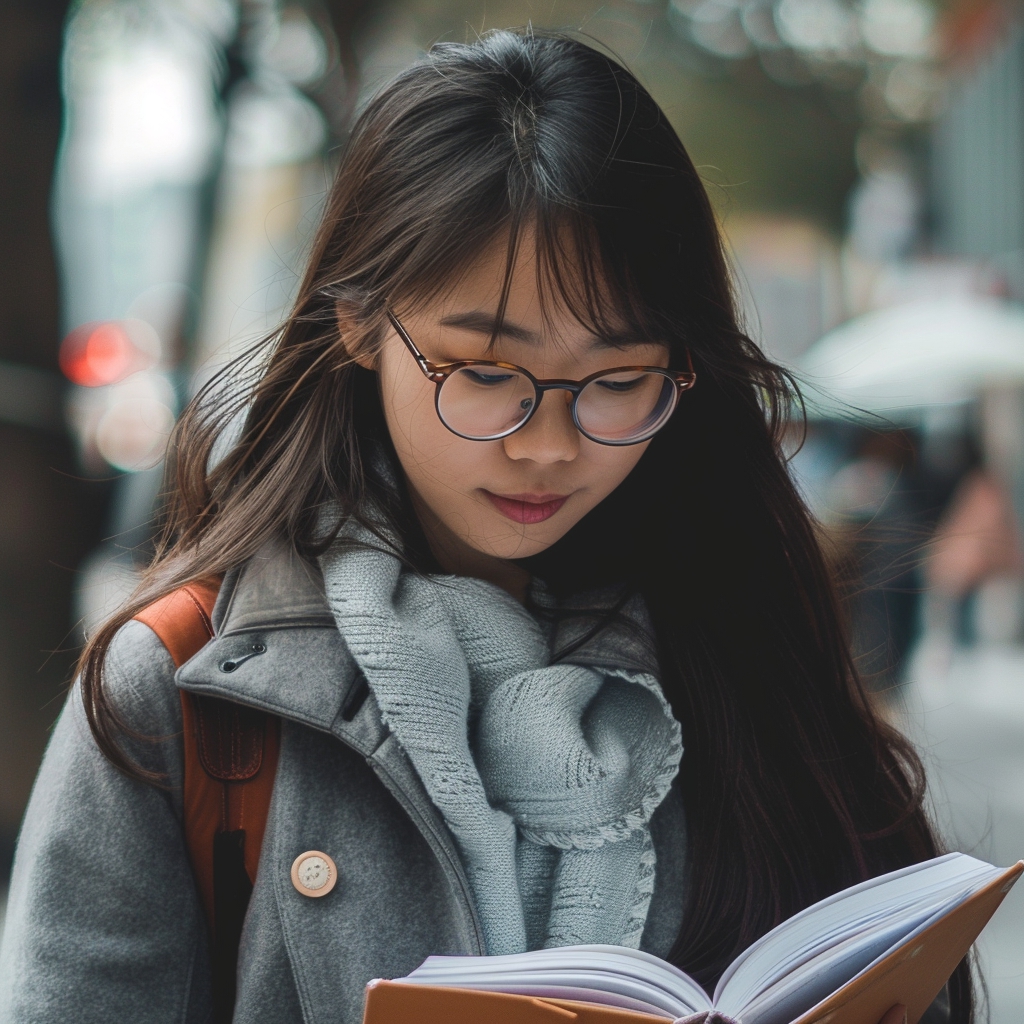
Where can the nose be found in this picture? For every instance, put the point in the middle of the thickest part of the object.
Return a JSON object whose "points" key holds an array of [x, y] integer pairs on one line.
{"points": [[550, 435]]}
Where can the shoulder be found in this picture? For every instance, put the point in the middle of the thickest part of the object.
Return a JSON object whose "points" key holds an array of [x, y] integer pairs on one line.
{"points": [[141, 694], [145, 653], [138, 680]]}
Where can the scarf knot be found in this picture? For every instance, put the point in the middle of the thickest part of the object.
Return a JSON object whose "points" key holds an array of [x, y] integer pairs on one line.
{"points": [[547, 775]]}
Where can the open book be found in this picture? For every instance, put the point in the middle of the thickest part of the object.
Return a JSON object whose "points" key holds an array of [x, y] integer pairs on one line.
{"points": [[846, 960]]}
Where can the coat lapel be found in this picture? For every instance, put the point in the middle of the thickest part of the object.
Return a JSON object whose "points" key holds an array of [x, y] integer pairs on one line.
{"points": [[276, 648]]}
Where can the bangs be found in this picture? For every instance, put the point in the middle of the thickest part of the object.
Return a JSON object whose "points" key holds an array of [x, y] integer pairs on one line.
{"points": [[572, 273]]}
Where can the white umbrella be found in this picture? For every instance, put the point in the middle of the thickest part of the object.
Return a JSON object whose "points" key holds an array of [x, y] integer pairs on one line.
{"points": [[936, 352]]}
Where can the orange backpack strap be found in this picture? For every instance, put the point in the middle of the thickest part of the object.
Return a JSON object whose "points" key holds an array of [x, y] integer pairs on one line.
{"points": [[231, 754]]}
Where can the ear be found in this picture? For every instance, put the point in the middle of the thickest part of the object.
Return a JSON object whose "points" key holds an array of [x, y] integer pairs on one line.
{"points": [[353, 336]]}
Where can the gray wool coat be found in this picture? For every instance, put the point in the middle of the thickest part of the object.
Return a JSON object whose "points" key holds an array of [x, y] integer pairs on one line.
{"points": [[104, 922]]}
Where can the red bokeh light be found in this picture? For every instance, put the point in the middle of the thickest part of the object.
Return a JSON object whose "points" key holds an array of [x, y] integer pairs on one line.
{"points": [[96, 354]]}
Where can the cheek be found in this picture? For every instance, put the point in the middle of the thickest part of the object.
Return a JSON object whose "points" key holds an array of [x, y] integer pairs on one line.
{"points": [[408, 400], [426, 447], [610, 466]]}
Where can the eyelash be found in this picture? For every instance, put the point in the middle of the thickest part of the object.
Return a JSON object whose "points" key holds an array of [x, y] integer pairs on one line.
{"points": [[489, 378]]}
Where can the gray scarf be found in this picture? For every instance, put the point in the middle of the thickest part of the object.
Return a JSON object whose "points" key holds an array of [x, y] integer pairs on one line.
{"points": [[546, 774]]}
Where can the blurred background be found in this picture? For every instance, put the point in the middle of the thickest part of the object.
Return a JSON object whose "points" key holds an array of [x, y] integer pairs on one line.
{"points": [[163, 165]]}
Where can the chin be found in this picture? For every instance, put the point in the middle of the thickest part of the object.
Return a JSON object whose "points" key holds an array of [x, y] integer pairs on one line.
{"points": [[524, 550], [520, 545]]}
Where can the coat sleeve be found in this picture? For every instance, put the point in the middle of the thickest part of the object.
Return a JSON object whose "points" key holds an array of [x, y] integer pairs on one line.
{"points": [[103, 918]]}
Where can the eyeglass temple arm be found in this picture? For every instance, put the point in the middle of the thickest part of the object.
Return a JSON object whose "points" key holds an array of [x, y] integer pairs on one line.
{"points": [[687, 380], [429, 369]]}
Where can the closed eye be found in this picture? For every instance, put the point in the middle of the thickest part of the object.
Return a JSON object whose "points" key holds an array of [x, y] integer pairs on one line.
{"points": [[489, 376], [619, 385]]}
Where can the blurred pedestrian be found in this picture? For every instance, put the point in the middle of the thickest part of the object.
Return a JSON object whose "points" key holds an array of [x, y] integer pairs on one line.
{"points": [[976, 542]]}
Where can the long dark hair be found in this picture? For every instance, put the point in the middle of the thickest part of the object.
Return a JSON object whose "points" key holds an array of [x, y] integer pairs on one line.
{"points": [[793, 787]]}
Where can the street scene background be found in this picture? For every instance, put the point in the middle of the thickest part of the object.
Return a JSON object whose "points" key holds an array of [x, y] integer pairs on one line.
{"points": [[164, 163]]}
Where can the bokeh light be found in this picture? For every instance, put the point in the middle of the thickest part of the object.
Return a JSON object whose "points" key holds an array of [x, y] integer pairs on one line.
{"points": [[103, 353], [132, 432]]}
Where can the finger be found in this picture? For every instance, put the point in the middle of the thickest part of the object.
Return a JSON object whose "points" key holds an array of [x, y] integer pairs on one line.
{"points": [[897, 1015]]}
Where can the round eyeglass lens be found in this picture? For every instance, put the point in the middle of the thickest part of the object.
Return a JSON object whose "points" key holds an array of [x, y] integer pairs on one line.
{"points": [[482, 401], [626, 406]]}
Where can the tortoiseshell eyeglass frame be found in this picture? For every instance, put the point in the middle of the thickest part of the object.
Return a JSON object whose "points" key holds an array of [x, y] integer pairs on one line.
{"points": [[438, 373]]}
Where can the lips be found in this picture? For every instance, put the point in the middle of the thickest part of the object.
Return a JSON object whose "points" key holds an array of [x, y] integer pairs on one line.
{"points": [[527, 508]]}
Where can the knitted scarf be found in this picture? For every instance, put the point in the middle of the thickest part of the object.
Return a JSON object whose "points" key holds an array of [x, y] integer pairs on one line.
{"points": [[546, 774]]}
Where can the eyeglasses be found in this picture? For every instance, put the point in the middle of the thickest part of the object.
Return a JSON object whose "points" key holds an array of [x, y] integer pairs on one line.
{"points": [[482, 400]]}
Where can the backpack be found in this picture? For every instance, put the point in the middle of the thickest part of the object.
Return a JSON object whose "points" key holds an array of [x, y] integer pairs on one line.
{"points": [[230, 759]]}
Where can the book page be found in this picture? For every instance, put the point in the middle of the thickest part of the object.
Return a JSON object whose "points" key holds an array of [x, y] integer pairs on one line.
{"points": [[608, 972]]}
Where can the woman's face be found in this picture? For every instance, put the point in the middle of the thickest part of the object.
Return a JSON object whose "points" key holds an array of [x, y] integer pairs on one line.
{"points": [[513, 497]]}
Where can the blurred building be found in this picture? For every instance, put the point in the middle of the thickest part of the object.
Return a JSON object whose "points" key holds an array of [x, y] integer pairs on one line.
{"points": [[789, 282], [978, 145], [978, 210]]}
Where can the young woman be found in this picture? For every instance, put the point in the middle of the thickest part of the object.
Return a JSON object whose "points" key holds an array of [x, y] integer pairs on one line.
{"points": [[506, 524]]}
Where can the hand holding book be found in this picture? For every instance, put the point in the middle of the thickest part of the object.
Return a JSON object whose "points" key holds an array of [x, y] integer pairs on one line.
{"points": [[858, 957], [897, 1015]]}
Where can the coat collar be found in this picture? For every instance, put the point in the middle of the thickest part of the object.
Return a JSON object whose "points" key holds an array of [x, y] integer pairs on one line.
{"points": [[276, 647], [276, 602], [276, 589]]}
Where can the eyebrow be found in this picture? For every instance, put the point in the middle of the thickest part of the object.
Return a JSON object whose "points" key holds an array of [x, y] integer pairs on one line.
{"points": [[484, 323]]}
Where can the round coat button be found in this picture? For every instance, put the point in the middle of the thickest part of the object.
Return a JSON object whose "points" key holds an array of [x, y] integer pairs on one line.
{"points": [[314, 873]]}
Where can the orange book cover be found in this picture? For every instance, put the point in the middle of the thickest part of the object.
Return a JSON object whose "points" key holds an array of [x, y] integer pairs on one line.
{"points": [[389, 1002], [912, 974]]}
